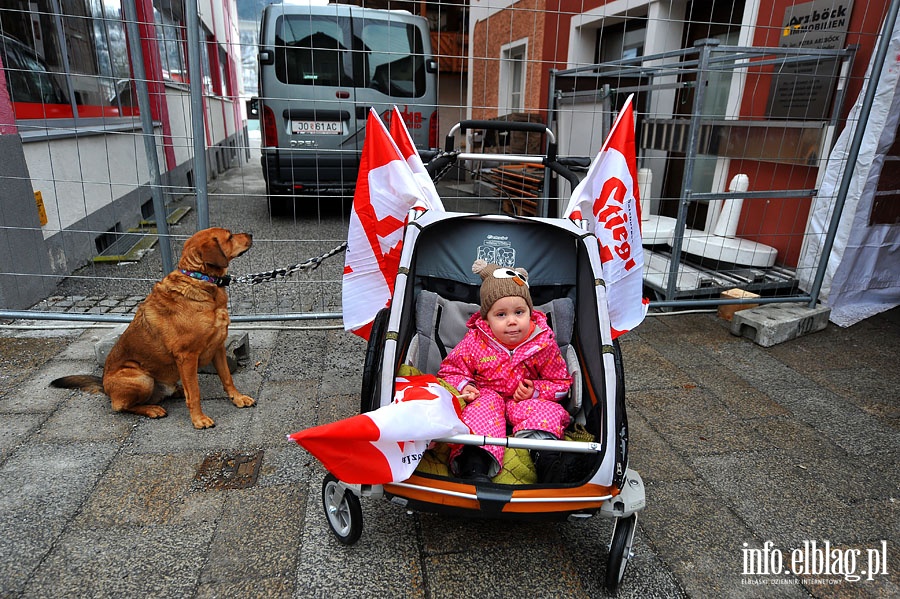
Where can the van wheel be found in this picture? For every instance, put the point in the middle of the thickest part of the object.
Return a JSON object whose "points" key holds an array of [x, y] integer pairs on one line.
{"points": [[280, 204]]}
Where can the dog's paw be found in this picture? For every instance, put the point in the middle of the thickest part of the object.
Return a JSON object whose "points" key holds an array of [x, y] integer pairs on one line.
{"points": [[147, 410], [202, 421], [243, 401], [154, 411]]}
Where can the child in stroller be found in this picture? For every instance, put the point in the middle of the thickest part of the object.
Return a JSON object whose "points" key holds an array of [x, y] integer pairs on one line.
{"points": [[433, 298], [508, 367]]}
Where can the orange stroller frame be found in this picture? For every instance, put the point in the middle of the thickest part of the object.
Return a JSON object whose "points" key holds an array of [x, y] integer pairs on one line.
{"points": [[434, 280]]}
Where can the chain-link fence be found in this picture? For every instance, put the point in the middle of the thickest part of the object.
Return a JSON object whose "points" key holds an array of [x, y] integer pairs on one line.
{"points": [[740, 111]]}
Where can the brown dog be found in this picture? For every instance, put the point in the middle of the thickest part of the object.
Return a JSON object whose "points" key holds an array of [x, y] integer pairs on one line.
{"points": [[181, 326]]}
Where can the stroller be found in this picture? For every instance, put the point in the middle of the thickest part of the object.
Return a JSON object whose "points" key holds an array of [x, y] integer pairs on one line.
{"points": [[434, 295]]}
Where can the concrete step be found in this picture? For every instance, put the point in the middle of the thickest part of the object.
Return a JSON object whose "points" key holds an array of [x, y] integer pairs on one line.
{"points": [[172, 218], [771, 324], [129, 247]]}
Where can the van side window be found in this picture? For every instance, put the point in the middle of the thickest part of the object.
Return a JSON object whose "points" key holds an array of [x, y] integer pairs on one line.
{"points": [[396, 62], [313, 51]]}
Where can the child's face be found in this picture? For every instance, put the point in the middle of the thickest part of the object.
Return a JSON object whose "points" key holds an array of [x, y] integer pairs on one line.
{"points": [[510, 319]]}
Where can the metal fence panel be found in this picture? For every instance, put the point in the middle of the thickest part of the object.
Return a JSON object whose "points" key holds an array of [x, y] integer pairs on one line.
{"points": [[107, 153]]}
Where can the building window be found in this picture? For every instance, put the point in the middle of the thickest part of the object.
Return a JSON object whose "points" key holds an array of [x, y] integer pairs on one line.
{"points": [[206, 47], [71, 59], [512, 77], [170, 37], [64, 65], [621, 41]]}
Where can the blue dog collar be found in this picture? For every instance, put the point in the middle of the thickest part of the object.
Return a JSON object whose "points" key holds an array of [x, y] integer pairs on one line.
{"points": [[217, 281]]}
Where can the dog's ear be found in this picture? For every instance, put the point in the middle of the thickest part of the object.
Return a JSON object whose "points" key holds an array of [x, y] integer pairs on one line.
{"points": [[211, 253]]}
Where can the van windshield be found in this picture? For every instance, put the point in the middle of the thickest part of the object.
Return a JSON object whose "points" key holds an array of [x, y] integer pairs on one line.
{"points": [[330, 51]]}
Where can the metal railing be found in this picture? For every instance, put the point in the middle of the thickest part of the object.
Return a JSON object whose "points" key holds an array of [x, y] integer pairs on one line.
{"points": [[680, 130], [675, 129]]}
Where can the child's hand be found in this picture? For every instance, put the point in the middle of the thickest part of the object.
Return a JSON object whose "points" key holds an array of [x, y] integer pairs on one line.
{"points": [[525, 390], [470, 393]]}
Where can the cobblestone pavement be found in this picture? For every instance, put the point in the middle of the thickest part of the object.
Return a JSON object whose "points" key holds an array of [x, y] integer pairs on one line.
{"points": [[96, 304], [745, 452], [740, 447]]}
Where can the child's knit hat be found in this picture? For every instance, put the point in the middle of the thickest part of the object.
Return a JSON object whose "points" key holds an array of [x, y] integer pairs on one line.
{"points": [[499, 281]]}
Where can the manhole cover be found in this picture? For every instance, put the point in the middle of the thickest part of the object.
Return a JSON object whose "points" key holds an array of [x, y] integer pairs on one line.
{"points": [[220, 471]]}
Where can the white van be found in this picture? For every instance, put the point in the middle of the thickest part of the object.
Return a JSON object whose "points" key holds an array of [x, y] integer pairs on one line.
{"points": [[320, 70]]}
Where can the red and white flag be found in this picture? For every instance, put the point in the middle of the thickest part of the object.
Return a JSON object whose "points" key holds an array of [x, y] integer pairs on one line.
{"points": [[407, 147], [385, 191], [609, 199], [386, 445]]}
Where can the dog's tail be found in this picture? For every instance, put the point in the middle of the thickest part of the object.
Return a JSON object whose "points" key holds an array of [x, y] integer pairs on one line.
{"points": [[86, 382]]}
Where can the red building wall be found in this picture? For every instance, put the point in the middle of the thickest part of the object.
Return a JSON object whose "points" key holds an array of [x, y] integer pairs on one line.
{"points": [[524, 20], [781, 222]]}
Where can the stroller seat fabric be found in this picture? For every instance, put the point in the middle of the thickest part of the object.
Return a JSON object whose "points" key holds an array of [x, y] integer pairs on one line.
{"points": [[441, 325]]}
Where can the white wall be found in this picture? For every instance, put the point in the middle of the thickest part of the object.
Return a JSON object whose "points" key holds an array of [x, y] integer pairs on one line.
{"points": [[79, 175], [178, 101], [581, 126], [218, 120]]}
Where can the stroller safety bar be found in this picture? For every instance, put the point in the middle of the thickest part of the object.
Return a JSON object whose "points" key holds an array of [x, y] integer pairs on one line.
{"points": [[523, 443], [503, 126], [435, 167]]}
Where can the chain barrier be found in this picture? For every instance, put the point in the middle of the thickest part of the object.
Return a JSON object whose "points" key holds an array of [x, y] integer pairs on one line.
{"points": [[308, 265]]}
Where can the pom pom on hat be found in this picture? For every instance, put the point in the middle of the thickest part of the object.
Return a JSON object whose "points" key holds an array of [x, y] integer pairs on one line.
{"points": [[500, 281]]}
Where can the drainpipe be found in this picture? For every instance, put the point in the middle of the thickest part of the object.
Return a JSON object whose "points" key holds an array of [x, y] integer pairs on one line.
{"points": [[198, 115]]}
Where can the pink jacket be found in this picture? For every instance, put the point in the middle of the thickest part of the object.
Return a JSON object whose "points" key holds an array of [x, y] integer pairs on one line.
{"points": [[481, 359]]}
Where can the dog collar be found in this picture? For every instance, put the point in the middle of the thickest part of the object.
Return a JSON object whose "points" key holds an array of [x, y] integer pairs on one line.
{"points": [[223, 281]]}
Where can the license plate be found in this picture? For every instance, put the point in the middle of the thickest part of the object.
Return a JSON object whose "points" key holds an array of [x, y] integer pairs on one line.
{"points": [[316, 127]]}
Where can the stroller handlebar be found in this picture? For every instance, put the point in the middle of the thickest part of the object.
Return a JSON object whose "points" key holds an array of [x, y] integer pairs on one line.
{"points": [[464, 126], [563, 166], [505, 126]]}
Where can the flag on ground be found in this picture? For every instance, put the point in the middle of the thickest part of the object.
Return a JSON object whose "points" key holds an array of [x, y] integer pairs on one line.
{"points": [[386, 445], [609, 199], [385, 191]]}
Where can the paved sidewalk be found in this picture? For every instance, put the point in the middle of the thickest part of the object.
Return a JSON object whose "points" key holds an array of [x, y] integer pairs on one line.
{"points": [[739, 446], [745, 451]]}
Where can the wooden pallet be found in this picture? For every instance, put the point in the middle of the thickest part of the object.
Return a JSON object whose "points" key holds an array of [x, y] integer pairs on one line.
{"points": [[519, 207], [518, 185]]}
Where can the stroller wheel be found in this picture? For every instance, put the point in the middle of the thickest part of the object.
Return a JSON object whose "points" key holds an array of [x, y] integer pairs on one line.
{"points": [[620, 551], [342, 510], [372, 365]]}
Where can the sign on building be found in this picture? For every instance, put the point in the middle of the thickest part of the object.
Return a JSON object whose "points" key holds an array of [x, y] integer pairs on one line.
{"points": [[803, 90]]}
